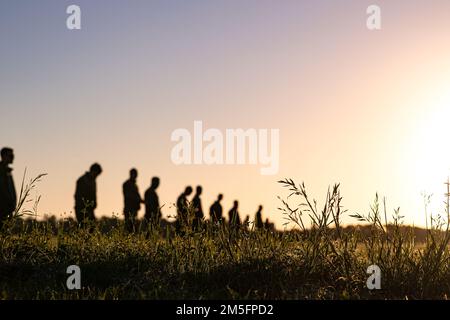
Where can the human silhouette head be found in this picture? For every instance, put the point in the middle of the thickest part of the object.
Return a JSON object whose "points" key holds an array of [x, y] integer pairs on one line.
{"points": [[199, 190], [133, 174], [220, 197], [260, 208], [155, 183], [95, 170], [188, 190], [7, 155], [235, 204]]}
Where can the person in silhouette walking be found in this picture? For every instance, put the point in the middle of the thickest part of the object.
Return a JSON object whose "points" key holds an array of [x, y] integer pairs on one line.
{"points": [[234, 219], [259, 224], [269, 225], [216, 212], [183, 209], [8, 197], [246, 223], [152, 209], [198, 211], [86, 195], [132, 201]]}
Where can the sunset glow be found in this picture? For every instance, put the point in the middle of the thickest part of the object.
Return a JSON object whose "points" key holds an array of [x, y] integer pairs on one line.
{"points": [[367, 109]]}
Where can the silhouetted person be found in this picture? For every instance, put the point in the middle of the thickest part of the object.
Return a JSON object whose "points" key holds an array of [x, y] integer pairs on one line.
{"points": [[152, 208], [259, 224], [132, 201], [233, 216], [8, 197], [198, 211], [268, 225], [86, 195], [216, 212], [246, 222], [183, 209]]}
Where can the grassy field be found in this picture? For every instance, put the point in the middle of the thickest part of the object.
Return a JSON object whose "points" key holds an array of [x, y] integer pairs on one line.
{"points": [[321, 260]]}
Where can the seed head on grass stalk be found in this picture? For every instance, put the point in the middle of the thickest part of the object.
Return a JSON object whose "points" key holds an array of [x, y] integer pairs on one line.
{"points": [[25, 191]]}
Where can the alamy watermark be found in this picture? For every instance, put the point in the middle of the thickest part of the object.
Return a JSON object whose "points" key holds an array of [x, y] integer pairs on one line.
{"points": [[234, 146], [74, 280], [373, 21], [374, 280], [73, 21]]}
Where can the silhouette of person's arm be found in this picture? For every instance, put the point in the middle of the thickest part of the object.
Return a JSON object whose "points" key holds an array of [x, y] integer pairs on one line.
{"points": [[211, 212], [138, 195], [85, 195], [157, 207], [80, 193], [180, 205], [94, 193], [6, 199]]}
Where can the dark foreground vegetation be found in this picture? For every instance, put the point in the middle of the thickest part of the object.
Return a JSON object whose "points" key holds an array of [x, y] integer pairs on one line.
{"points": [[320, 260]]}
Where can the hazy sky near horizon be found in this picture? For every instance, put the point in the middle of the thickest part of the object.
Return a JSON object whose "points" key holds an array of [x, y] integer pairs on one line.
{"points": [[368, 109]]}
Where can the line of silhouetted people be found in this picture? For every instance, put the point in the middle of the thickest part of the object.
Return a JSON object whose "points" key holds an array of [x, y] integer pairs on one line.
{"points": [[190, 214]]}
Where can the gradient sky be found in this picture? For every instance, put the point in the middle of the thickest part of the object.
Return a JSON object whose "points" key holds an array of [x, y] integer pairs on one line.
{"points": [[368, 109]]}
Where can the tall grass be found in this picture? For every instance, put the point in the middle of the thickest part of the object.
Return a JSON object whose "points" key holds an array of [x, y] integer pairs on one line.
{"points": [[320, 259]]}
